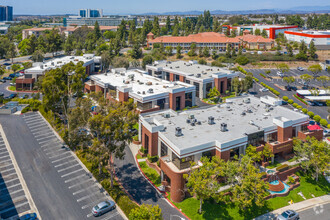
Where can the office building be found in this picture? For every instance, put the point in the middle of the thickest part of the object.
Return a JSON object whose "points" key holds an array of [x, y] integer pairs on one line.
{"points": [[91, 13], [148, 92], [225, 131], [321, 39], [6, 13], [90, 21], [91, 62], [203, 77]]}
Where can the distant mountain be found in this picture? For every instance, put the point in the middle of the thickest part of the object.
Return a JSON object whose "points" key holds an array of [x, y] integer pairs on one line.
{"points": [[295, 10]]}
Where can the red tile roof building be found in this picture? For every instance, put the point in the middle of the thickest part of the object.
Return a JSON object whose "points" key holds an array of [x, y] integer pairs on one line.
{"points": [[213, 40]]}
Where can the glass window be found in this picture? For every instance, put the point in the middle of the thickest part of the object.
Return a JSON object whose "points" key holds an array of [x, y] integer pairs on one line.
{"points": [[188, 99], [144, 106], [163, 150], [177, 78]]}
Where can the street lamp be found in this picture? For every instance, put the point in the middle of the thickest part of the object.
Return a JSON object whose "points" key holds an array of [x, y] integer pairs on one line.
{"points": [[177, 216]]}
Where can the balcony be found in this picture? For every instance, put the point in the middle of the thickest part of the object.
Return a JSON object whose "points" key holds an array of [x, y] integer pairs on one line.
{"points": [[169, 166], [278, 147]]}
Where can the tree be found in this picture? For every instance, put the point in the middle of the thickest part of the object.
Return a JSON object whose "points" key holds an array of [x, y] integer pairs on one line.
{"points": [[15, 67], [242, 60], [202, 61], [109, 35], [214, 93], [264, 33], [192, 51], [146, 212], [289, 49], [251, 151], [228, 51], [112, 126], [156, 29], [267, 152], [11, 52], [283, 68], [2, 70], [302, 55], [136, 51], [105, 60], [289, 80], [97, 31], [202, 181], [257, 32], [307, 78], [37, 56], [54, 41], [169, 51], [119, 62], [312, 49], [206, 52], [168, 24], [178, 52], [324, 80], [314, 155], [147, 60], [315, 69]]}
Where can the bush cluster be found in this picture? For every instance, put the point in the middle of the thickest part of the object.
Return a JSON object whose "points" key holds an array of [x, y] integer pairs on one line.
{"points": [[263, 75], [285, 98], [282, 168], [300, 99], [270, 89], [153, 159], [143, 150]]}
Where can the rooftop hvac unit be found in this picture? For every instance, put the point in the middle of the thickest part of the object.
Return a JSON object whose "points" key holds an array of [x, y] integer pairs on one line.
{"points": [[150, 91], [199, 122], [178, 131], [247, 100], [144, 92], [188, 121], [166, 115], [249, 111], [191, 116], [223, 127], [251, 122], [198, 75], [192, 123], [210, 120], [243, 113]]}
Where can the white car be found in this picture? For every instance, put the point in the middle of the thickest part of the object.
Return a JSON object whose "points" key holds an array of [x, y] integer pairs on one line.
{"points": [[279, 73], [263, 90]]}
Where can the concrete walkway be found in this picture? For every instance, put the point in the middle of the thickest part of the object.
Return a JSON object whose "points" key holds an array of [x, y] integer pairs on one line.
{"points": [[300, 206]]}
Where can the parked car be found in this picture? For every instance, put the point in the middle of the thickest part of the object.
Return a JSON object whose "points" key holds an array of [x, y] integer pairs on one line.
{"points": [[103, 207], [300, 68], [30, 216], [12, 84], [7, 78], [288, 215], [12, 75], [244, 50], [25, 96], [1, 94], [263, 90], [320, 104], [294, 88], [310, 103], [287, 88], [279, 73], [11, 96], [2, 80], [326, 132]]}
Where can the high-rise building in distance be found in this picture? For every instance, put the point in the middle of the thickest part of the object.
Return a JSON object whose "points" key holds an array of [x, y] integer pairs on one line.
{"points": [[91, 13], [6, 13]]}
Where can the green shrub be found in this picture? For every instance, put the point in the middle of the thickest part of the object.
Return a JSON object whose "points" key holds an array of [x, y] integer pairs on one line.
{"points": [[317, 118], [255, 79], [324, 122], [310, 114], [263, 174], [295, 105], [26, 109], [282, 168], [328, 126], [304, 110], [290, 101], [153, 159], [285, 98], [143, 150], [299, 107], [300, 99], [291, 180], [136, 138], [242, 60]]}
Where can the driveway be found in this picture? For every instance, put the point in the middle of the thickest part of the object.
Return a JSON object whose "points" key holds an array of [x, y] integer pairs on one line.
{"points": [[140, 189]]}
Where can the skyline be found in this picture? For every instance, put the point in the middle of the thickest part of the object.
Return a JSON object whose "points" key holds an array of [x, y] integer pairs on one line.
{"points": [[44, 7]]}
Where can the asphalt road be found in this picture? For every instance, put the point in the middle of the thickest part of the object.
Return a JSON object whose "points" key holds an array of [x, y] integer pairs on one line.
{"points": [[59, 186], [27, 58], [139, 188], [318, 212], [277, 81]]}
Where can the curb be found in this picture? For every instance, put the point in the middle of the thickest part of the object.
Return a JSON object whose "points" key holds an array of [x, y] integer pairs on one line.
{"points": [[165, 197], [85, 168], [20, 175]]}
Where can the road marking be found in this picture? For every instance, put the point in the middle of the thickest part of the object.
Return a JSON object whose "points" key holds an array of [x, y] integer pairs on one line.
{"points": [[42, 142], [69, 167], [51, 152], [8, 181], [74, 178], [84, 189], [43, 134], [11, 193], [51, 136], [80, 183], [4, 161], [76, 171], [14, 207], [61, 164], [33, 120], [4, 156], [37, 129], [4, 152], [66, 152], [51, 142], [55, 161], [110, 216], [93, 203], [85, 197], [18, 184], [3, 177], [7, 170], [34, 125]]}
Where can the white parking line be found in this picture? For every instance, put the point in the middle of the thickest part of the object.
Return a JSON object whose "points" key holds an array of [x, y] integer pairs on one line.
{"points": [[3, 152], [69, 167], [110, 216], [55, 161], [76, 171], [89, 215], [32, 120], [84, 189], [43, 134], [34, 125], [8, 170], [8, 181], [4, 161], [14, 207], [42, 142], [11, 193], [74, 178], [61, 164], [51, 136], [50, 143], [11, 174], [92, 203], [37, 129], [51, 152], [4, 156], [18, 184], [80, 183], [85, 197], [66, 152]]}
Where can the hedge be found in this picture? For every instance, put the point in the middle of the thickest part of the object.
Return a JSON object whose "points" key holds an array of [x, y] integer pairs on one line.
{"points": [[153, 159], [285, 98], [295, 105], [262, 75], [310, 114], [299, 107], [328, 126], [143, 150], [26, 109], [324, 122], [317, 118], [290, 101], [300, 99], [304, 110], [282, 168], [270, 89]]}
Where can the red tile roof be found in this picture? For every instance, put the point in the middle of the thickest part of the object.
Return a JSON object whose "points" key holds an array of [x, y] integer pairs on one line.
{"points": [[209, 37]]}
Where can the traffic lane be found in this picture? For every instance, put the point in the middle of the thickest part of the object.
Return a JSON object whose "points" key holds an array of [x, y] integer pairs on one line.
{"points": [[319, 212]]}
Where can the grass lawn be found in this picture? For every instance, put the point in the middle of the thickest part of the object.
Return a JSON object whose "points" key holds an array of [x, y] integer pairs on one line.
{"points": [[273, 165], [12, 88], [213, 210], [150, 173], [138, 156]]}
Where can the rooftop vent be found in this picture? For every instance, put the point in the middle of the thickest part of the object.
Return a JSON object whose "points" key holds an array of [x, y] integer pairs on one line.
{"points": [[251, 122], [150, 91], [247, 100], [192, 123], [166, 115], [249, 111], [243, 113], [223, 127], [143, 93], [191, 116], [199, 122], [188, 121], [210, 120], [198, 75], [178, 131]]}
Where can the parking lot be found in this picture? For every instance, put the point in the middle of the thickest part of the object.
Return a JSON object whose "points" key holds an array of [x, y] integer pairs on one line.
{"points": [[13, 198], [61, 187]]}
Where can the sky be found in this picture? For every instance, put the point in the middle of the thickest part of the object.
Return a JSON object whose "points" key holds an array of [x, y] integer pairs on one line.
{"points": [[47, 7]]}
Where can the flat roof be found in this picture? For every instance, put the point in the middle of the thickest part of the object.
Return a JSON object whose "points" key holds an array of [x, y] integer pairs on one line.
{"points": [[191, 69], [138, 83], [59, 62], [312, 92], [199, 137]]}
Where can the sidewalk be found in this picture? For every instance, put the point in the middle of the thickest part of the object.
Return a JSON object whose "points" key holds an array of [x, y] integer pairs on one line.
{"points": [[300, 206]]}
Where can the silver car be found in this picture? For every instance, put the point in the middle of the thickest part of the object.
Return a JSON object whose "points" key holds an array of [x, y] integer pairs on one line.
{"points": [[288, 215], [103, 207]]}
